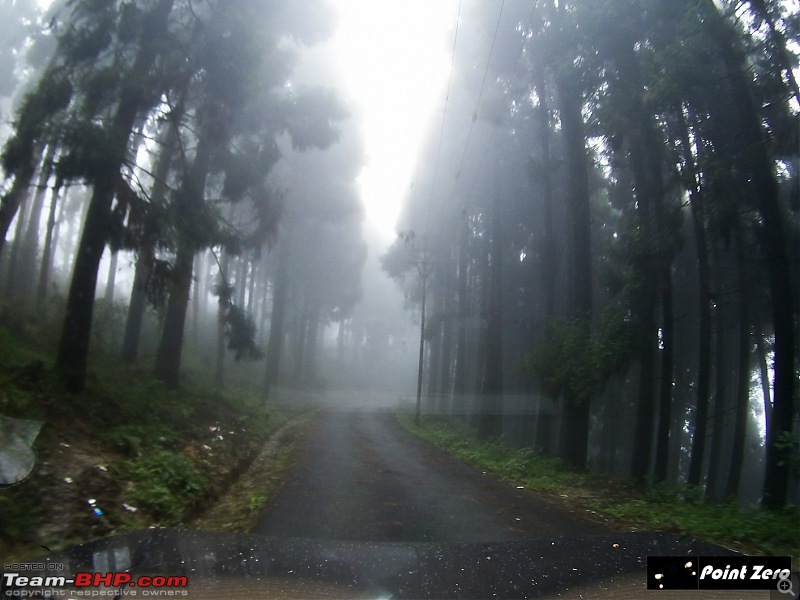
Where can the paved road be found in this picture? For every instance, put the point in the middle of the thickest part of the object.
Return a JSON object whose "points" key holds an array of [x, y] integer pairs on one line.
{"points": [[360, 476]]}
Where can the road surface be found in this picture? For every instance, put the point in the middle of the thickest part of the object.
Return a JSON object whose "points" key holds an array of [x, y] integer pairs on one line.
{"points": [[360, 476]]}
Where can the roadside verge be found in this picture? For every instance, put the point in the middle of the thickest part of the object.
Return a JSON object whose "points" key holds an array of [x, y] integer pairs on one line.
{"points": [[239, 507], [617, 502]]}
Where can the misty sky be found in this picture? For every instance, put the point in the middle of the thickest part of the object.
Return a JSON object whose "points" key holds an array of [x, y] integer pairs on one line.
{"points": [[394, 59]]}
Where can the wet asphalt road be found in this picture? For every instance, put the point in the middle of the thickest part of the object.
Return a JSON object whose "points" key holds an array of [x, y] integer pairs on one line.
{"points": [[360, 476]]}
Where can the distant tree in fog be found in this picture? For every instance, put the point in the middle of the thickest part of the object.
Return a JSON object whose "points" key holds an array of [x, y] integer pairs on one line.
{"points": [[118, 67]]}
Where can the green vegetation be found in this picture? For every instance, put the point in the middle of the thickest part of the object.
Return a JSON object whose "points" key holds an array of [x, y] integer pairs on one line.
{"points": [[167, 484], [124, 454], [20, 514], [266, 488], [570, 363], [618, 503]]}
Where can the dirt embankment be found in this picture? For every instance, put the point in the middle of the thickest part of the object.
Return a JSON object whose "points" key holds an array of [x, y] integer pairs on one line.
{"points": [[239, 507], [82, 490]]}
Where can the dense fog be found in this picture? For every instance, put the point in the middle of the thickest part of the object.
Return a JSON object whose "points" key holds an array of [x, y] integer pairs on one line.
{"points": [[596, 246]]}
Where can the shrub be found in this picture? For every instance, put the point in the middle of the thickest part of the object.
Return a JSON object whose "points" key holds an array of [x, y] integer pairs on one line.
{"points": [[167, 485]]}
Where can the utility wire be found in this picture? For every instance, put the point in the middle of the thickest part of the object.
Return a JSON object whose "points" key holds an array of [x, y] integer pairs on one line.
{"points": [[524, 42], [483, 85], [511, 80], [444, 112]]}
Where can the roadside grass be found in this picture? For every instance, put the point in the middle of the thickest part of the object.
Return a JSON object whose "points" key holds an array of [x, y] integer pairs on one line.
{"points": [[618, 503], [265, 489]]}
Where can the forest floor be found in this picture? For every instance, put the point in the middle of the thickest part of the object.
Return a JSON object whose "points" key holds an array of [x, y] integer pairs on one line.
{"points": [[127, 453], [82, 490]]}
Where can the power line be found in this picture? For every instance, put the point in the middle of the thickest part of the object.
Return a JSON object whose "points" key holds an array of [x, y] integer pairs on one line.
{"points": [[483, 85], [524, 42], [446, 102], [513, 77]]}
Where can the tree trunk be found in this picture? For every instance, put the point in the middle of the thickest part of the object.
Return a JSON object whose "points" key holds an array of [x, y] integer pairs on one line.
{"points": [[241, 280], [298, 336], [544, 420], [190, 199], [743, 372], [718, 418], [610, 419], [24, 283], [341, 338], [263, 302], [147, 252], [434, 337], [137, 304], [47, 253], [460, 377], [421, 357], [312, 345], [446, 364], [62, 216], [111, 280], [12, 273], [74, 227], [251, 292], [549, 262], [575, 421], [170, 348], [704, 311], [280, 295], [650, 267], [14, 199], [773, 241], [667, 380], [73, 350], [766, 389], [645, 403], [222, 307], [490, 423]]}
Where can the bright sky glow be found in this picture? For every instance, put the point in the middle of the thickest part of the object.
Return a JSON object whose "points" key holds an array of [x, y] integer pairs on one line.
{"points": [[395, 60]]}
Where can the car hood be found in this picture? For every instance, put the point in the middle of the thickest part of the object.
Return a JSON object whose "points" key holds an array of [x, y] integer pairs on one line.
{"points": [[233, 565]]}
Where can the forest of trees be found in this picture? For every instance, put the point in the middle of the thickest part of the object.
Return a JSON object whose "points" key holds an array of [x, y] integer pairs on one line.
{"points": [[168, 135], [605, 217]]}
